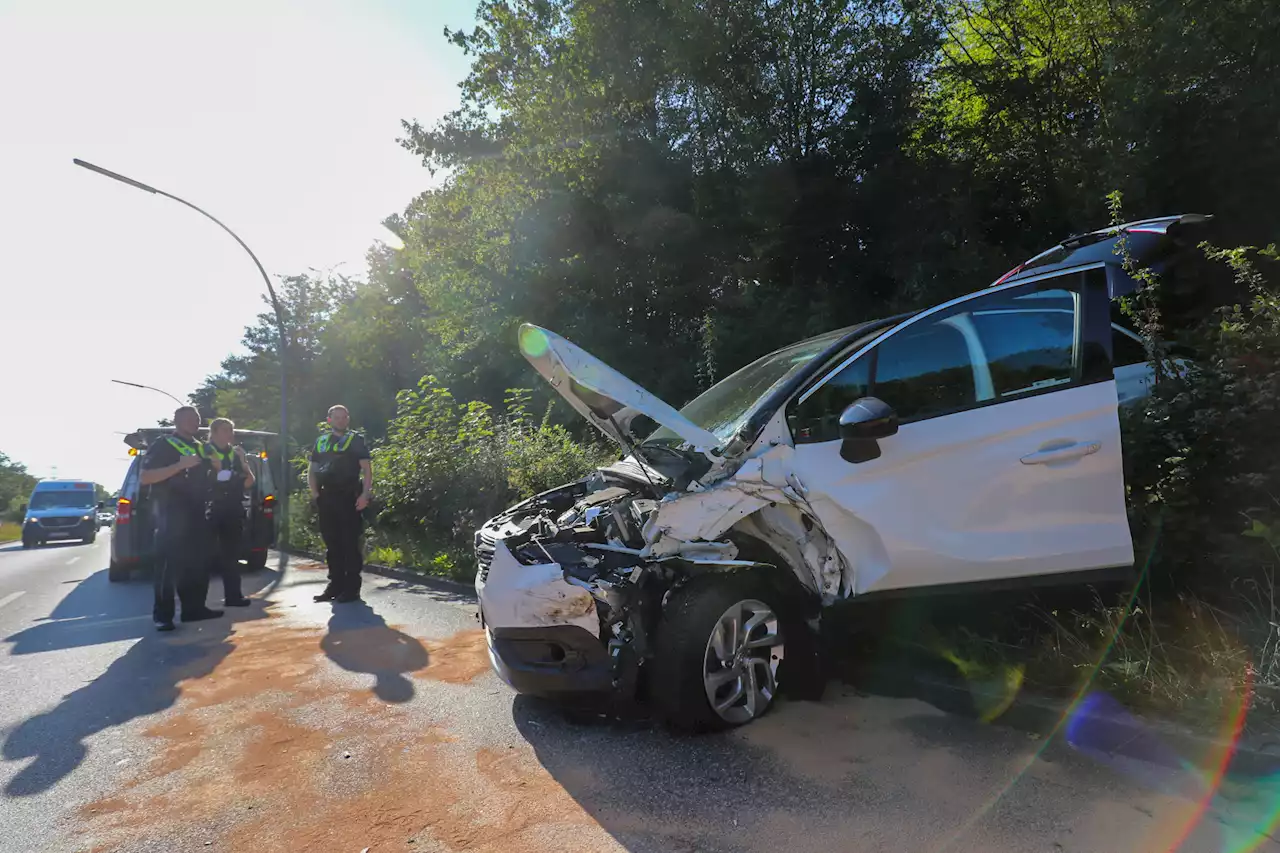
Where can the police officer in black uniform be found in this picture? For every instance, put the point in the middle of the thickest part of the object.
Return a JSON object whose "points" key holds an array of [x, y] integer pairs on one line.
{"points": [[178, 473], [341, 481], [231, 479]]}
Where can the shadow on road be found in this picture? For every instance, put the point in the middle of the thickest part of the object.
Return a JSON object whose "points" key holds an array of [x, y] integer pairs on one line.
{"points": [[145, 680], [894, 739], [359, 640], [48, 546], [98, 611], [655, 792], [865, 772], [436, 592]]}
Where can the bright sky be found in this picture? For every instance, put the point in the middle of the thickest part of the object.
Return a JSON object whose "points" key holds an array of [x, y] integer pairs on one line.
{"points": [[280, 118]]}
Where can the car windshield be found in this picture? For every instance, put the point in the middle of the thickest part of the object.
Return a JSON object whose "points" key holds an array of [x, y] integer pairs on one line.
{"points": [[724, 407], [69, 499]]}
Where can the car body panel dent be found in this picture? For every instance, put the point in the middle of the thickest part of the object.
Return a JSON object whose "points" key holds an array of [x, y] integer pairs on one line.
{"points": [[516, 595], [765, 499]]}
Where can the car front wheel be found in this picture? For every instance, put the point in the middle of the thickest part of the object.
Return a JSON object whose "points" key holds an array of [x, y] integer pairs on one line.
{"points": [[718, 651]]}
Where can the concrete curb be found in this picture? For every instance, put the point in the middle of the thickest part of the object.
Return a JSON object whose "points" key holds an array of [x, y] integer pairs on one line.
{"points": [[1123, 734], [439, 584]]}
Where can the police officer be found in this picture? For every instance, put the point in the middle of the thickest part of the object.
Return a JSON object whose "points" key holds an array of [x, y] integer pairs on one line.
{"points": [[178, 473], [341, 481], [232, 478]]}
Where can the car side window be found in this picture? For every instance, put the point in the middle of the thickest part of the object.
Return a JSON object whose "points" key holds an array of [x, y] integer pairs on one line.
{"points": [[130, 487], [1029, 341], [266, 486], [1126, 347], [818, 417], [927, 368], [991, 348]]}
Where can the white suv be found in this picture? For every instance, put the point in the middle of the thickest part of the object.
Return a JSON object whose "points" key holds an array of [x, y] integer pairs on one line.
{"points": [[975, 442]]}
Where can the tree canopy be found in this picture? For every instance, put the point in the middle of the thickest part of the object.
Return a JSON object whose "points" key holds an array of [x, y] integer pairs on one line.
{"points": [[682, 186]]}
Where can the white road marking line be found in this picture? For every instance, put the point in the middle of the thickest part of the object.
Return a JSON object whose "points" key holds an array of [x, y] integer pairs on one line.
{"points": [[88, 624], [11, 598]]}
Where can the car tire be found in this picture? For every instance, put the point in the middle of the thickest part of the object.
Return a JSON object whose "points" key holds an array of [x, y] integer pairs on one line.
{"points": [[256, 561], [92, 538], [696, 660], [28, 542], [117, 573]]}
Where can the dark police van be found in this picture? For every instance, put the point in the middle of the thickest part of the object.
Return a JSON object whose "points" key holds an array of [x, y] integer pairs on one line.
{"points": [[133, 535]]}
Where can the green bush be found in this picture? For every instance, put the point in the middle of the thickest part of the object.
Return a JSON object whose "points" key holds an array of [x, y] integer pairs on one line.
{"points": [[1201, 455], [382, 545], [447, 466], [304, 531]]}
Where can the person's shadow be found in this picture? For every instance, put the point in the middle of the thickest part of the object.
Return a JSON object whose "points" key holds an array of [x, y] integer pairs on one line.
{"points": [[359, 640], [143, 681]]}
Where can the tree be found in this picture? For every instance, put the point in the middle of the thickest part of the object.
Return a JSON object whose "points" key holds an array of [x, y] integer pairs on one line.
{"points": [[15, 487]]}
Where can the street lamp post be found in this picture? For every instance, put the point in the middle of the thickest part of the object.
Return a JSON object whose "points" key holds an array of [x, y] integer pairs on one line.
{"points": [[275, 305], [149, 388]]}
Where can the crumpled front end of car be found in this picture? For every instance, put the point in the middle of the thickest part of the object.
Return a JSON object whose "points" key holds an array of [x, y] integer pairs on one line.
{"points": [[565, 598], [572, 584]]}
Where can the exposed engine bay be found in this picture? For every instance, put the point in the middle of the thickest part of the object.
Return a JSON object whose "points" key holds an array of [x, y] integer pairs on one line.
{"points": [[594, 531]]}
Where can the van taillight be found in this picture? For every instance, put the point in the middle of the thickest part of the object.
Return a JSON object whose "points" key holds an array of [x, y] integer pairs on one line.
{"points": [[124, 511], [269, 506]]}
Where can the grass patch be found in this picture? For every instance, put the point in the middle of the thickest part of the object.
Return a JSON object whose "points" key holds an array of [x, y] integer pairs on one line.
{"points": [[1186, 659], [10, 531], [396, 549], [418, 553]]}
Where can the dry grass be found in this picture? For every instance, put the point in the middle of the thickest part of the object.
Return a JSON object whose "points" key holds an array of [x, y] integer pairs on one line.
{"points": [[1185, 658], [1181, 657], [10, 531]]}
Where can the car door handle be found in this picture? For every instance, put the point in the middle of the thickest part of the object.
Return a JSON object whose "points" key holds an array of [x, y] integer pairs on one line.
{"points": [[1062, 454]]}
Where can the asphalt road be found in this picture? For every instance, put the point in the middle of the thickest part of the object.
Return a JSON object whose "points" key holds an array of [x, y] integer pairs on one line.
{"points": [[295, 726]]}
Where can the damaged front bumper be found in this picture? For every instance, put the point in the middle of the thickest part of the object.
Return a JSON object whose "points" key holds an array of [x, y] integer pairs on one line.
{"points": [[573, 583], [543, 633]]}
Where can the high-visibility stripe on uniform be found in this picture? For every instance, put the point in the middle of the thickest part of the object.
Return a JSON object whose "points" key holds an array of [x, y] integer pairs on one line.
{"points": [[185, 449], [324, 445], [227, 459]]}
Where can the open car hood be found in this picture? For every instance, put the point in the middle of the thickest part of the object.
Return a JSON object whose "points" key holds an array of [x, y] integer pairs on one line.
{"points": [[601, 394]]}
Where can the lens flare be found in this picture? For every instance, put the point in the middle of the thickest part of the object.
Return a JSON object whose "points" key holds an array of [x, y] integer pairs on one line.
{"points": [[1083, 691], [993, 688], [533, 342], [1246, 810]]}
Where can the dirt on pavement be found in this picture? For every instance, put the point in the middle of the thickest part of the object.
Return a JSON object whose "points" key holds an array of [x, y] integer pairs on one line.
{"points": [[261, 755]]}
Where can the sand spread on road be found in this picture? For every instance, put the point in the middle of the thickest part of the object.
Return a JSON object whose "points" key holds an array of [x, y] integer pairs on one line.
{"points": [[263, 755]]}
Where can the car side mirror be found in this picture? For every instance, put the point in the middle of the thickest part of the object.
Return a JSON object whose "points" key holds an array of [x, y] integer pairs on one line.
{"points": [[23, 509], [862, 425], [102, 505]]}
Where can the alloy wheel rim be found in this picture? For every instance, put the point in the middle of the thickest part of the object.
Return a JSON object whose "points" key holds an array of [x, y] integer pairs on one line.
{"points": [[740, 667]]}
